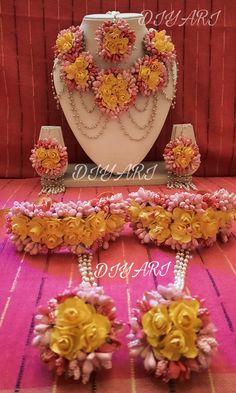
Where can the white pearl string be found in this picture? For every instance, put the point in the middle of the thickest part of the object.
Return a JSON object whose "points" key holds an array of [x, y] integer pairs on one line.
{"points": [[85, 268], [182, 258]]}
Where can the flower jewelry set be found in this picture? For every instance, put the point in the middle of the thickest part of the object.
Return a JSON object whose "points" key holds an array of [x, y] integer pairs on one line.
{"points": [[77, 332]]}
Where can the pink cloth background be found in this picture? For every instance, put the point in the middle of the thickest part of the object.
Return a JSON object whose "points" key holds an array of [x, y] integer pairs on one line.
{"points": [[206, 81], [28, 281]]}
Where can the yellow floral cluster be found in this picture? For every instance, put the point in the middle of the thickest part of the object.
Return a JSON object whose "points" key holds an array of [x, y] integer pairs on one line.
{"points": [[78, 328], [171, 330], [114, 43], [150, 74], [69, 231], [183, 156], [181, 225], [162, 43], [49, 157], [114, 91], [64, 42], [78, 71]]}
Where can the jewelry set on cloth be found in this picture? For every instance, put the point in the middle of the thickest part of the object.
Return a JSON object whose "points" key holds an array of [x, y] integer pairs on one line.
{"points": [[78, 330]]}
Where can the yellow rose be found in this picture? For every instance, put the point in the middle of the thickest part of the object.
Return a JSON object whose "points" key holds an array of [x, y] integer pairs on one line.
{"points": [[54, 226], [123, 97], [180, 232], [64, 42], [81, 77], [122, 45], [109, 80], [111, 47], [110, 102], [156, 324], [162, 43], [74, 312], [146, 216], [51, 240], [121, 83], [19, 226], [66, 342], [182, 215], [134, 211], [153, 80], [162, 216], [96, 332], [183, 156], [184, 315], [87, 236], [71, 238], [53, 155], [159, 233], [144, 72], [36, 229], [48, 164], [41, 153], [196, 227], [210, 223], [114, 222], [177, 343], [81, 63], [155, 66], [97, 223], [72, 224], [224, 218]]}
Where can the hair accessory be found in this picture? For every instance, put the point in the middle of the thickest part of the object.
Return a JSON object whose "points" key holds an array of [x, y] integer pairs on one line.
{"points": [[50, 159], [182, 159], [115, 40], [79, 227], [170, 329]]}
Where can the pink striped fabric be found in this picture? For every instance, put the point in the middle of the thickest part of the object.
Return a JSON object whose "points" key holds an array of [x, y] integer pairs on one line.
{"points": [[28, 281]]}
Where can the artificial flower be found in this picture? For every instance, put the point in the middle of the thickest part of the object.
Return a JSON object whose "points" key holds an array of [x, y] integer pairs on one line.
{"points": [[53, 155], [64, 41], [19, 226], [74, 312], [96, 332], [36, 229], [114, 222], [178, 343], [66, 342], [156, 324], [41, 153], [184, 315], [210, 223], [162, 42], [180, 232], [159, 232], [183, 155], [51, 240]]}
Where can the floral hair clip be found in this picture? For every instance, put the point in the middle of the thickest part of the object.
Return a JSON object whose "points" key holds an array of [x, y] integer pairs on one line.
{"points": [[170, 329], [50, 159], [115, 40], [79, 227]]}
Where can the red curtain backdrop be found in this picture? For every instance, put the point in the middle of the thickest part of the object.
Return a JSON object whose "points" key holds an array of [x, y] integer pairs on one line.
{"points": [[206, 79]]}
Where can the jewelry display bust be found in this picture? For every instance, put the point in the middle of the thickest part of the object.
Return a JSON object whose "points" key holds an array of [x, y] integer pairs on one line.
{"points": [[115, 143]]}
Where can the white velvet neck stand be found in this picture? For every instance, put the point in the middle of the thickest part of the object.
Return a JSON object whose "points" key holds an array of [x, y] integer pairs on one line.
{"points": [[123, 142]]}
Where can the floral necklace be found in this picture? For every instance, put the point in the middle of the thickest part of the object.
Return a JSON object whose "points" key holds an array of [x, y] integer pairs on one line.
{"points": [[115, 90]]}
